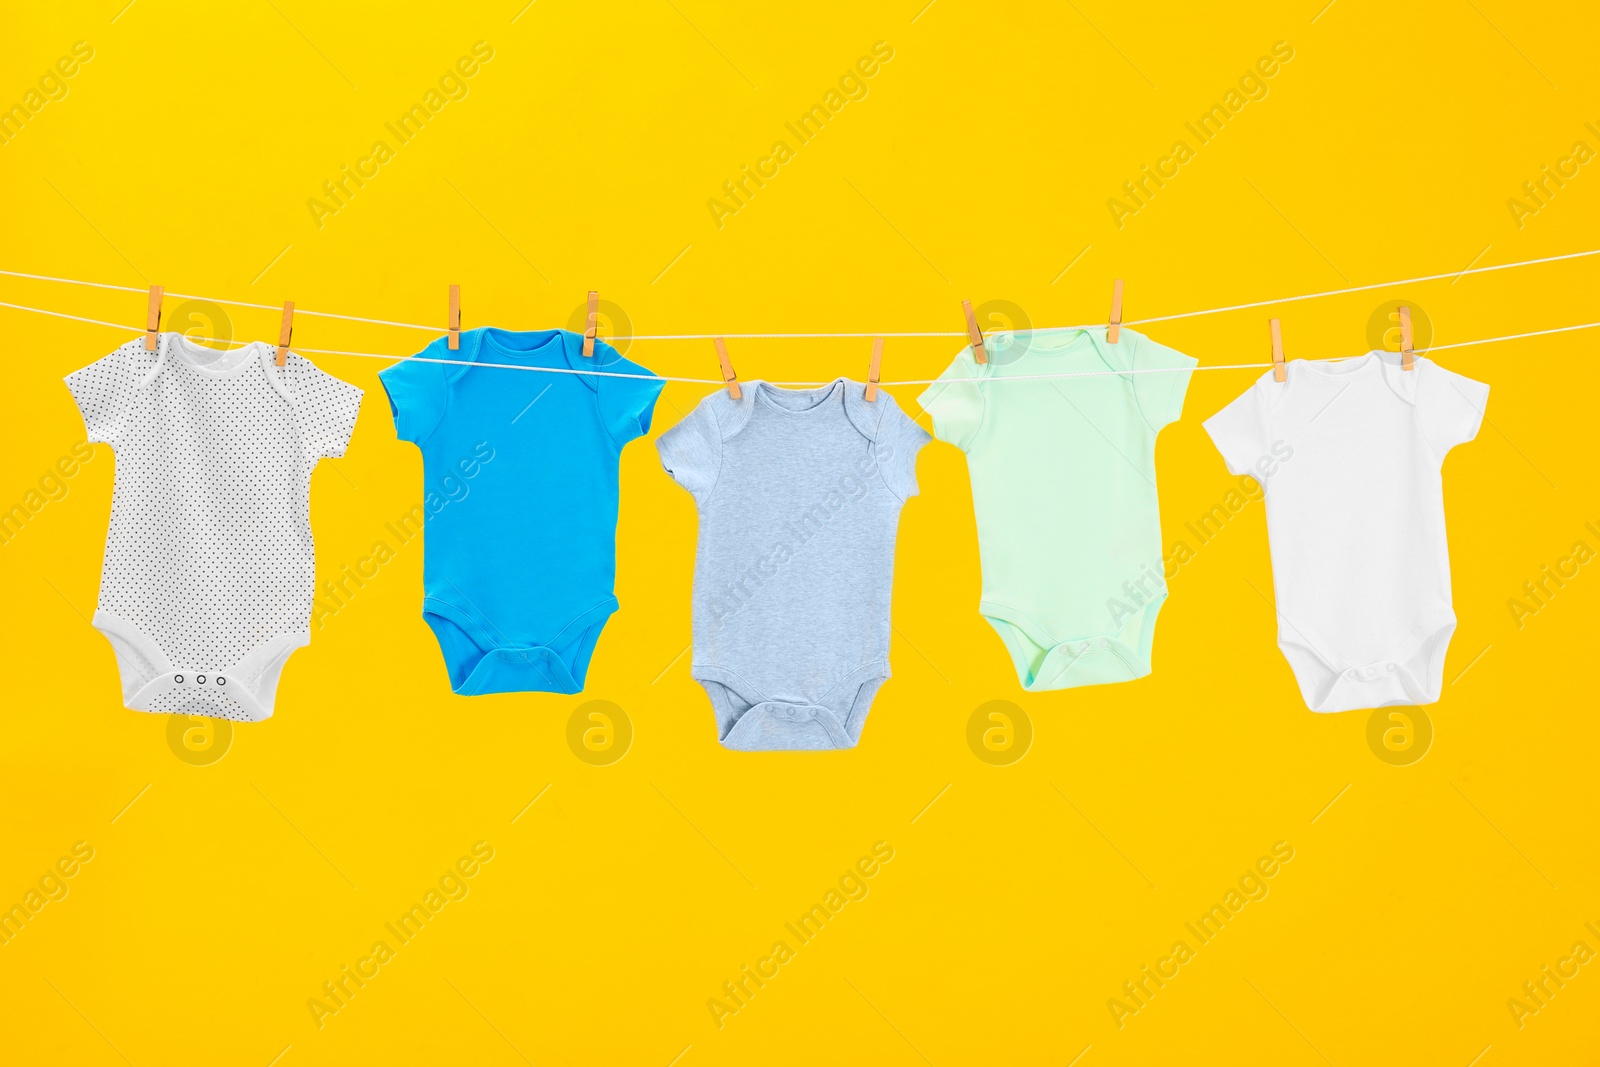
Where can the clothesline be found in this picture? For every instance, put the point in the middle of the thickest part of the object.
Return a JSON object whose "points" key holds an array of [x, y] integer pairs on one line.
{"points": [[817, 336], [931, 381], [719, 381]]}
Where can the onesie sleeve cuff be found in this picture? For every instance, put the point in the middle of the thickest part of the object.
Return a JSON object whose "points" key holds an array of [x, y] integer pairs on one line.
{"points": [[345, 407], [692, 450], [97, 421], [415, 390], [898, 442], [955, 402], [1238, 448], [627, 405], [1161, 392], [1480, 402], [103, 391]]}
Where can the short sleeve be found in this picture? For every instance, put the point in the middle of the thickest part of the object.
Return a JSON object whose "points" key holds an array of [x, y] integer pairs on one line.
{"points": [[626, 404], [1449, 406], [104, 392], [1239, 431], [417, 394], [956, 401], [1161, 391], [692, 450], [898, 441], [325, 408]]}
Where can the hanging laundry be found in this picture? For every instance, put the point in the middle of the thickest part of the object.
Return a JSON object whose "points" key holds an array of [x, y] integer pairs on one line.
{"points": [[209, 566], [1355, 518], [1064, 492], [799, 493], [520, 480]]}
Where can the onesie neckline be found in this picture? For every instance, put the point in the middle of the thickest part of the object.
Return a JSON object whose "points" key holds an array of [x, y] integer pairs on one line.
{"points": [[1344, 368], [824, 394], [183, 350], [1378, 363], [495, 340], [1038, 340], [1056, 345], [1078, 339]]}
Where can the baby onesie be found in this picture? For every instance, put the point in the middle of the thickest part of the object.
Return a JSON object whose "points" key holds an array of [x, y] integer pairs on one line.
{"points": [[1355, 518], [520, 476], [209, 566], [1064, 493], [799, 494]]}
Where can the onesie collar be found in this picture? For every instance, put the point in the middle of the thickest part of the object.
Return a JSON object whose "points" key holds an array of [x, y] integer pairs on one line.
{"points": [[1399, 381], [865, 417], [559, 348], [821, 397], [179, 349], [255, 352], [1080, 339]]}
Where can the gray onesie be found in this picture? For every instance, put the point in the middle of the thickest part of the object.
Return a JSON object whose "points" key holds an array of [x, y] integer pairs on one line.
{"points": [[799, 493]]}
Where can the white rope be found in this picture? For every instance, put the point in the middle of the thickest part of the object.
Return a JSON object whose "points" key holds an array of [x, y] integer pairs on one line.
{"points": [[74, 318], [719, 381], [515, 366], [218, 300], [1367, 288], [1515, 336], [819, 336]]}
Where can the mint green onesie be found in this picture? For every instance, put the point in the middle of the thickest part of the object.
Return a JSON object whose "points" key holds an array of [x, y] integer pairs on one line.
{"points": [[1064, 490]]}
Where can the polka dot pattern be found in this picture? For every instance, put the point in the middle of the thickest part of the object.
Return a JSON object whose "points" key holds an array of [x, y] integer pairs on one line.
{"points": [[211, 705], [209, 552]]}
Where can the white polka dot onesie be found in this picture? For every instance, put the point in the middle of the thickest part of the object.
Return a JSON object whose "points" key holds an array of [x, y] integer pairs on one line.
{"points": [[209, 566]]}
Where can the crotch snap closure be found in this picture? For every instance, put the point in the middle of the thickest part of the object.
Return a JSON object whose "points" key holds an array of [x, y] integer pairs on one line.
{"points": [[200, 679]]}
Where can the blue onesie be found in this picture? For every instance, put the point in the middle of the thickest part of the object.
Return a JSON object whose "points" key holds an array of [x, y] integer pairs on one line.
{"points": [[520, 475]]}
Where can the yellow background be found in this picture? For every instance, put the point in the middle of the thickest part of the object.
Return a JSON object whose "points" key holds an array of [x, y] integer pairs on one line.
{"points": [[221, 897]]}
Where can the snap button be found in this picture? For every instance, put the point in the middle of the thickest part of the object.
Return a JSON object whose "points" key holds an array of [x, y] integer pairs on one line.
{"points": [[178, 678], [200, 678], [221, 680]]}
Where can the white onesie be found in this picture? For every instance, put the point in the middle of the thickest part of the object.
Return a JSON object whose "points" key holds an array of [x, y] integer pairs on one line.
{"points": [[209, 565], [1349, 455]]}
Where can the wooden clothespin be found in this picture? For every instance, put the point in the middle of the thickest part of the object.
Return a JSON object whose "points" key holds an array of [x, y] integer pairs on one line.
{"points": [[1114, 328], [974, 334], [1406, 359], [455, 317], [872, 369], [589, 324], [152, 319], [285, 331], [728, 376], [1278, 369]]}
